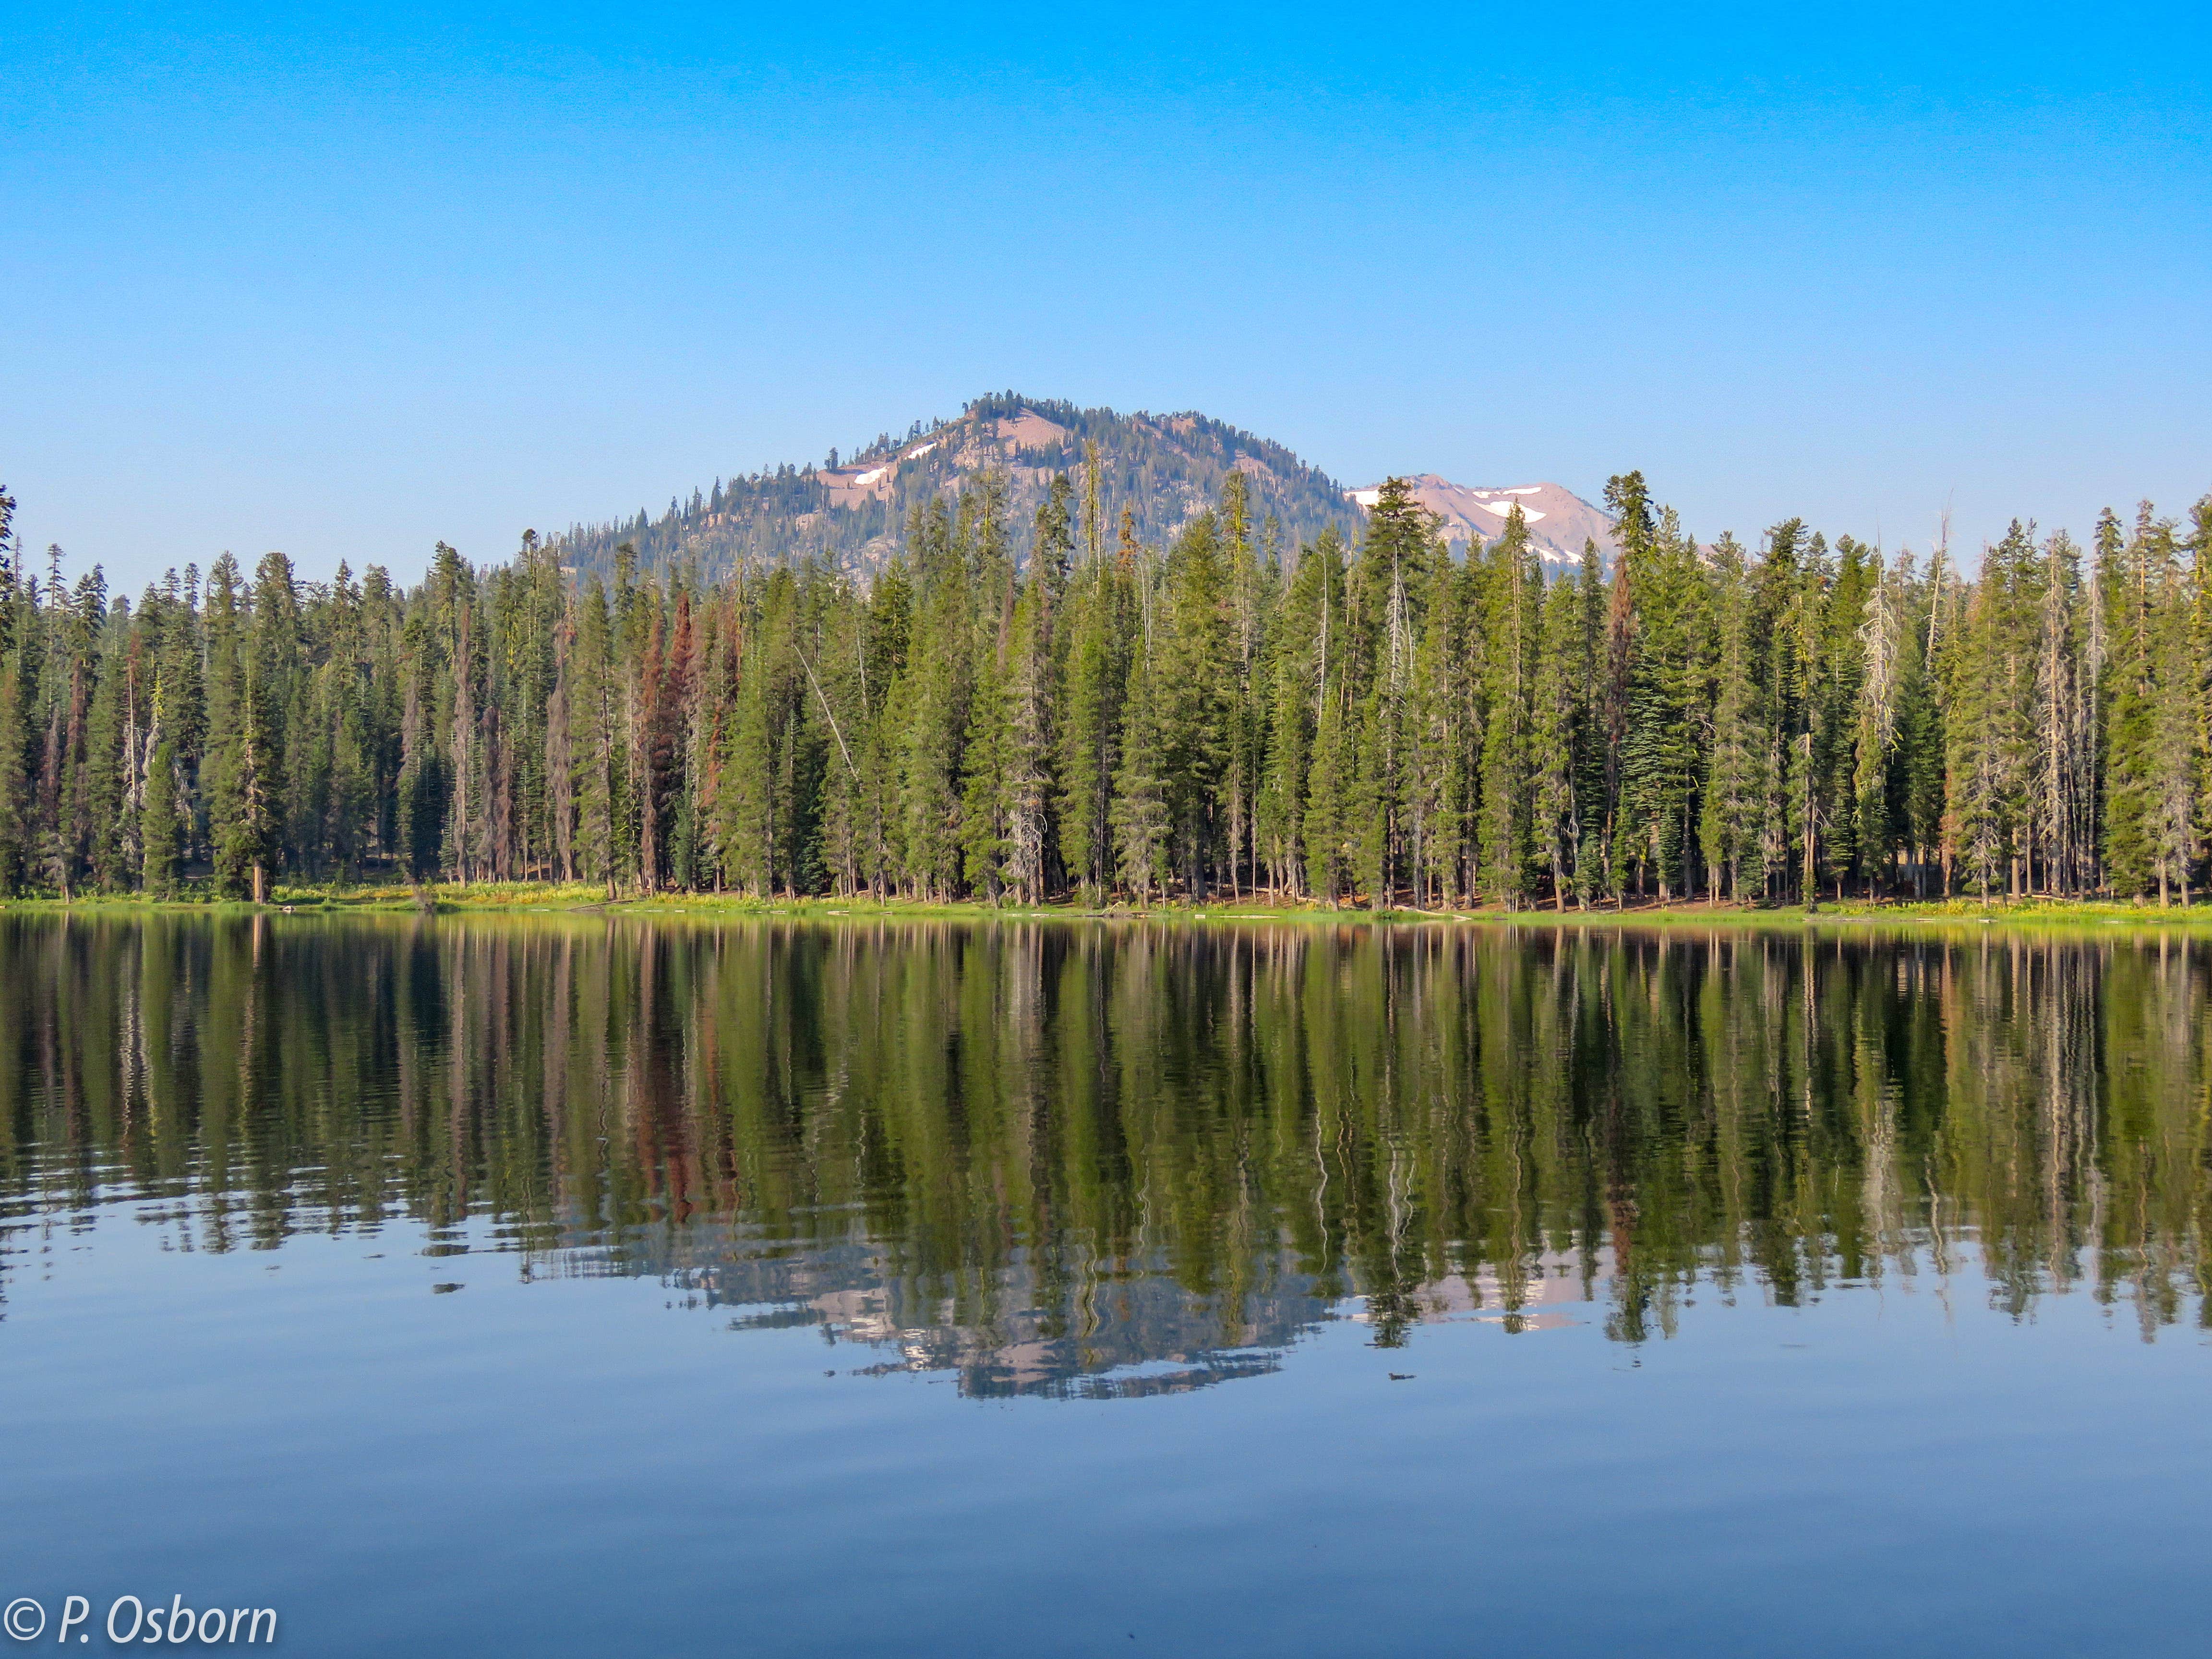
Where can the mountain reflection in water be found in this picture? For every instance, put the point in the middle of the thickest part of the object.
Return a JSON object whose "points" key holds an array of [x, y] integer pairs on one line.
{"points": [[1130, 1158]]}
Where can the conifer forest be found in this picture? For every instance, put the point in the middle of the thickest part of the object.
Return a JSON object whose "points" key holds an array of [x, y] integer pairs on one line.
{"points": [[1024, 712]]}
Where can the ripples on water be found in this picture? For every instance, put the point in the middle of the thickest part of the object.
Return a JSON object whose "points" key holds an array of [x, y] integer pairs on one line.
{"points": [[1129, 1159]]}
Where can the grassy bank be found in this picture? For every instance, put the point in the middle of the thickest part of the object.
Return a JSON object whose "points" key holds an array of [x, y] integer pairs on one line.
{"points": [[541, 897]]}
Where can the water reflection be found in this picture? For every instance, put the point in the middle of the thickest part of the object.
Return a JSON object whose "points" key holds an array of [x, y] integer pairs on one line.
{"points": [[1127, 1159]]}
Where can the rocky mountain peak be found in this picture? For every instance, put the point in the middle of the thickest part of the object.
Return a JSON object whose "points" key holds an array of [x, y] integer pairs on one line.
{"points": [[1559, 521]]}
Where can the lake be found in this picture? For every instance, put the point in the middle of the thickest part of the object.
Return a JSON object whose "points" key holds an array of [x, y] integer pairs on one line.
{"points": [[605, 1285]]}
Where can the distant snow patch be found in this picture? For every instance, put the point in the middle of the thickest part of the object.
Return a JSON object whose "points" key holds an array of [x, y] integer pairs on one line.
{"points": [[1503, 509], [869, 478], [1367, 497]]}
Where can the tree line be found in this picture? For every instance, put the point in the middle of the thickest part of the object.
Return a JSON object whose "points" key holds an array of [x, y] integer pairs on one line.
{"points": [[1353, 719]]}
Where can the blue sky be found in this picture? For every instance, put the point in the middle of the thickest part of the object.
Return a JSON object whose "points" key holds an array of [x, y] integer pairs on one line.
{"points": [[346, 284]]}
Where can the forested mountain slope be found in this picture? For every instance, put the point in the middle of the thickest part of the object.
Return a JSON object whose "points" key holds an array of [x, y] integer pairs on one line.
{"points": [[851, 512]]}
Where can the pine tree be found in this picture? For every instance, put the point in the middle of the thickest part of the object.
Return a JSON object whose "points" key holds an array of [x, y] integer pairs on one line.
{"points": [[1329, 829], [1142, 820], [1296, 653], [1874, 735], [1029, 721], [160, 831], [2174, 746], [248, 842], [2011, 602], [2125, 568], [1447, 723], [1792, 585], [987, 801], [1917, 774], [1089, 737], [1616, 685], [1736, 781], [1658, 759], [560, 757], [1975, 765], [746, 821], [1514, 609], [2065, 814], [1555, 736], [103, 782], [936, 706], [1246, 697], [1596, 777], [595, 745], [1192, 672], [1388, 583], [880, 667], [14, 782]]}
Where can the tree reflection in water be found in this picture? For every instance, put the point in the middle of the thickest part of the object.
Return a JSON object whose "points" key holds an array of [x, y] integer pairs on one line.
{"points": [[1126, 1158]]}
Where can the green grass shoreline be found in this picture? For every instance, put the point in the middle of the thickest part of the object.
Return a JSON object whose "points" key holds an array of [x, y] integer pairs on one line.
{"points": [[538, 899]]}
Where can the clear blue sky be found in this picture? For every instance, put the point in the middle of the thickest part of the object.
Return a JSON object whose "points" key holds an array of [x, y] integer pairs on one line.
{"points": [[343, 284]]}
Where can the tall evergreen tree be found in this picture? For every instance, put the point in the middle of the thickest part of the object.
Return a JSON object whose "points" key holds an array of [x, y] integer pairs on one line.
{"points": [[1513, 612], [1736, 781]]}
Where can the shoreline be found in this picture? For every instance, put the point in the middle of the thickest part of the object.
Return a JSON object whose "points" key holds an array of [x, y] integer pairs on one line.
{"points": [[542, 899]]}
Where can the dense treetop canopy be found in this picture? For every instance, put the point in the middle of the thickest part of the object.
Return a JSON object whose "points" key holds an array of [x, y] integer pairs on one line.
{"points": [[1060, 706]]}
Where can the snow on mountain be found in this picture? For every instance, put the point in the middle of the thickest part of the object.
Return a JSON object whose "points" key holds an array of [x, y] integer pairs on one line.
{"points": [[1163, 470], [1559, 521]]}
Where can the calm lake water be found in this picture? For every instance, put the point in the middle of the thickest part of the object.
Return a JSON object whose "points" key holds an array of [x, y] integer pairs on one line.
{"points": [[569, 1286]]}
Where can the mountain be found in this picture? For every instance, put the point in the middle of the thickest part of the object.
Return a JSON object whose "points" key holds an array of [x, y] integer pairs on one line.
{"points": [[851, 512], [1559, 521]]}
